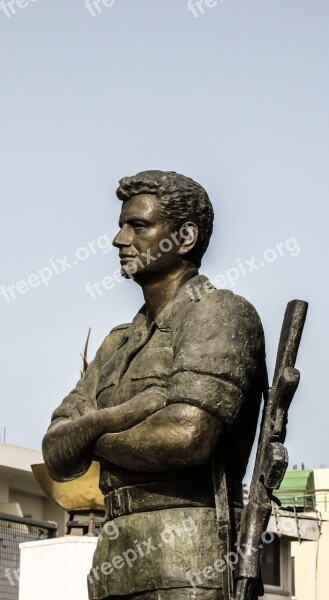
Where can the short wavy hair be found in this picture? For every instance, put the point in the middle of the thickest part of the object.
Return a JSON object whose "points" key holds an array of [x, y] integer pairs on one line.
{"points": [[181, 199]]}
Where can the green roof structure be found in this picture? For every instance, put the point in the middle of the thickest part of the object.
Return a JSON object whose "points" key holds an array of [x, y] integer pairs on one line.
{"points": [[297, 490]]}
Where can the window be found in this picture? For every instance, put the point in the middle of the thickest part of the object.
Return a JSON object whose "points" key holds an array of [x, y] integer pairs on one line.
{"points": [[271, 563], [276, 568]]}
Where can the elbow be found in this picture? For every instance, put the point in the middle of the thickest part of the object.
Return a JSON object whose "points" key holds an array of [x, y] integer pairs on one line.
{"points": [[191, 435], [198, 443], [53, 463], [61, 465], [198, 449]]}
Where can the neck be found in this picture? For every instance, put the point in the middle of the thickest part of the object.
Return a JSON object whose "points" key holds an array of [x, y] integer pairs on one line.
{"points": [[157, 293]]}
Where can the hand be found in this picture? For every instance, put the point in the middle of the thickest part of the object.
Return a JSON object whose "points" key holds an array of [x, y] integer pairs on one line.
{"points": [[79, 410]]}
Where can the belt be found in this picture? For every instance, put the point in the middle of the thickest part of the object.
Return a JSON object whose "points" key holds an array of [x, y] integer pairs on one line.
{"points": [[175, 594], [158, 496]]}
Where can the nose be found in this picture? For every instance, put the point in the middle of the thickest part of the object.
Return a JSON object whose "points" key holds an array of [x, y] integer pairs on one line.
{"points": [[121, 239]]}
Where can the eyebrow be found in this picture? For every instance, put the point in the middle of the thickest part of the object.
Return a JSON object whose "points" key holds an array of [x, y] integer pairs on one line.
{"points": [[132, 220]]}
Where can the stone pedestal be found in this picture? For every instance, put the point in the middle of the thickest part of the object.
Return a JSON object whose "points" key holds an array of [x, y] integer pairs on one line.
{"points": [[56, 569]]}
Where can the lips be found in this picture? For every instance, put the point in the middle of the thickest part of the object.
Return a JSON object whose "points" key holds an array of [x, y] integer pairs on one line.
{"points": [[127, 256]]}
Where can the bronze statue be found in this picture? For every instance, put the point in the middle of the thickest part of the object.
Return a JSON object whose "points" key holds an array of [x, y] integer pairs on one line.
{"points": [[169, 403]]}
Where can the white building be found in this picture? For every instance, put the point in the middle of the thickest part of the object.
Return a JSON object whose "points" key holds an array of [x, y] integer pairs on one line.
{"points": [[311, 560], [20, 494], [20, 497]]}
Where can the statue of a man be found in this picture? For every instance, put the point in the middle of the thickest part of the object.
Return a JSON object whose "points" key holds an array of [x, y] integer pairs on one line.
{"points": [[164, 392]]}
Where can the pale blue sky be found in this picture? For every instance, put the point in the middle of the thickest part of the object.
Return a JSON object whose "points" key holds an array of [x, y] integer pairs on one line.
{"points": [[238, 99]]}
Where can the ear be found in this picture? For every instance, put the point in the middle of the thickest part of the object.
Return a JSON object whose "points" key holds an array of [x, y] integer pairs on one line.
{"points": [[188, 233]]}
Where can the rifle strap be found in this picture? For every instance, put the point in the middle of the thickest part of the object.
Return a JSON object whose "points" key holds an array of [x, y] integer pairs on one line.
{"points": [[223, 521]]}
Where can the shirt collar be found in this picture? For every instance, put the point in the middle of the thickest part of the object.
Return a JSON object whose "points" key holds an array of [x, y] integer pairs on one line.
{"points": [[164, 319]]}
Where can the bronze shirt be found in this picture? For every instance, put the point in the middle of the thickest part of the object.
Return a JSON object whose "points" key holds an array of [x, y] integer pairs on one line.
{"points": [[206, 348]]}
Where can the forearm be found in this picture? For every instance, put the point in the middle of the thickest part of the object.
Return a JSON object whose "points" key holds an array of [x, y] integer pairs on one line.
{"points": [[68, 445], [177, 436]]}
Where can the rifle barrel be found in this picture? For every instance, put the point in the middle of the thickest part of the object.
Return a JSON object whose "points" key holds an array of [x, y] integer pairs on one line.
{"points": [[291, 333]]}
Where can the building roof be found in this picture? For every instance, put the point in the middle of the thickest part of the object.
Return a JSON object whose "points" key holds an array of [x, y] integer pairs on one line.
{"points": [[15, 467], [297, 490]]}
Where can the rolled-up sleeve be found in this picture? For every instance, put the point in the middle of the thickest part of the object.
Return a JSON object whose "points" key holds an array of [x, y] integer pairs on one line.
{"points": [[218, 346]]}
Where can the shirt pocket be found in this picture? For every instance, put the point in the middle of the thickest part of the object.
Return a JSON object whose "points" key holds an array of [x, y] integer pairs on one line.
{"points": [[107, 387], [108, 377], [151, 366]]}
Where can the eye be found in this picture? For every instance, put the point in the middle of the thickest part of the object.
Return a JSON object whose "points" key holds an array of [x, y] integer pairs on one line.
{"points": [[138, 226]]}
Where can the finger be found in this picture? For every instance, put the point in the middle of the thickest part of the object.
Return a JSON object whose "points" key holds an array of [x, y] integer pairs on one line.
{"points": [[80, 407], [75, 414]]}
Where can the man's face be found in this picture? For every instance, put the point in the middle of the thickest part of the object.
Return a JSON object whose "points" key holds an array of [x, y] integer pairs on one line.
{"points": [[148, 244]]}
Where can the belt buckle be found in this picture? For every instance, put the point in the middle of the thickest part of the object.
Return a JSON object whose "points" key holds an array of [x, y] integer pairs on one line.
{"points": [[116, 503], [120, 502]]}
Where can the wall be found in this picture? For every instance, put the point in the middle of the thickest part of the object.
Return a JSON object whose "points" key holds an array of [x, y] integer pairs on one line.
{"points": [[19, 487], [312, 558], [312, 566]]}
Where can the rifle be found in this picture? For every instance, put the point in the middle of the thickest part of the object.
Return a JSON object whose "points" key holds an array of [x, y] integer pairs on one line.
{"points": [[272, 457]]}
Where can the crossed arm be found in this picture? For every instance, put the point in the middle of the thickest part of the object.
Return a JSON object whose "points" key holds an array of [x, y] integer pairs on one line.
{"points": [[160, 428], [141, 434], [177, 436]]}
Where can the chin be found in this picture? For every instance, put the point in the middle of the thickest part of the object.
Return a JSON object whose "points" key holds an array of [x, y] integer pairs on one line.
{"points": [[126, 273]]}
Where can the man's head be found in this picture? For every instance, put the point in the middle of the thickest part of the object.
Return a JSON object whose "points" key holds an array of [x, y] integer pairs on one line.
{"points": [[180, 200]]}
